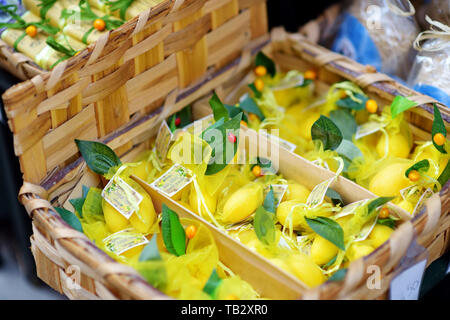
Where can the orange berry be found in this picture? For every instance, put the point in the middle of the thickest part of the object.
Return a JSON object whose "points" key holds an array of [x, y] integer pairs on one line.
{"points": [[231, 297], [439, 139], [31, 31], [243, 123], [191, 231], [257, 171], [310, 75], [259, 84], [371, 106], [384, 213], [252, 117], [342, 94], [260, 71], [414, 175], [99, 24]]}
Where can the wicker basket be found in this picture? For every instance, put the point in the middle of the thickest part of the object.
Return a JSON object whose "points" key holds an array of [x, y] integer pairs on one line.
{"points": [[55, 173]]}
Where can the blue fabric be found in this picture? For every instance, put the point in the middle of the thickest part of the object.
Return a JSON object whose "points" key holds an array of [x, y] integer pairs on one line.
{"points": [[433, 92], [354, 41]]}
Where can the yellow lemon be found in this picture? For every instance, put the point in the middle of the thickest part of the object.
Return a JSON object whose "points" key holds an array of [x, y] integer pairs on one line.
{"points": [[406, 205], [308, 119], [398, 145], [142, 170], [390, 180], [114, 220], [297, 191], [306, 270], [358, 250], [242, 203], [322, 250], [379, 235], [197, 205], [288, 209]]}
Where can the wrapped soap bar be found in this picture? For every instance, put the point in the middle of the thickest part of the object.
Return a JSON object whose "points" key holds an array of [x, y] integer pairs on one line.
{"points": [[379, 33], [49, 57], [31, 46], [51, 12], [87, 24], [126, 11]]}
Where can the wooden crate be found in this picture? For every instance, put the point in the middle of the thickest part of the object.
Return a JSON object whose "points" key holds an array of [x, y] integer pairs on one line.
{"points": [[57, 246]]}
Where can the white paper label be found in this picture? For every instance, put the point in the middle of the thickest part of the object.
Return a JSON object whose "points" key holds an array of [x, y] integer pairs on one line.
{"points": [[368, 128], [350, 208], [281, 142], [175, 179], [124, 240], [121, 196], [423, 198], [318, 193], [406, 285], [163, 139]]}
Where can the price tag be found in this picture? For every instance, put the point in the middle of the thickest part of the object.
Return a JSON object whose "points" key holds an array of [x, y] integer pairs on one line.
{"points": [[350, 208], [368, 128], [278, 192], [318, 193], [121, 196], [428, 193], [124, 240], [281, 142], [406, 285], [175, 179], [163, 139]]}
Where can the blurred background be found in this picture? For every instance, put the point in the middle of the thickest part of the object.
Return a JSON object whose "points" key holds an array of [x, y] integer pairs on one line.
{"points": [[17, 270]]}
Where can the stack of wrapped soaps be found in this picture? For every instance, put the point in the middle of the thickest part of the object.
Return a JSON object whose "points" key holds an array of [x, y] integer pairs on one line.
{"points": [[50, 31]]}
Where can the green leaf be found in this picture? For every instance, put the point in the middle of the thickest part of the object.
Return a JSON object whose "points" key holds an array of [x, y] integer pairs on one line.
{"points": [[218, 108], [378, 202], [326, 131], [388, 222], [445, 175], [349, 150], [330, 263], [328, 229], [220, 157], [249, 105], [77, 204], [98, 156], [269, 201], [306, 82], [263, 60], [338, 275], [349, 103], [401, 104], [212, 284], [85, 190], [421, 166], [173, 232], [185, 116], [335, 197], [92, 205], [264, 225], [438, 127], [69, 217], [345, 121], [255, 91], [233, 111], [172, 125], [265, 164], [150, 251]]}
